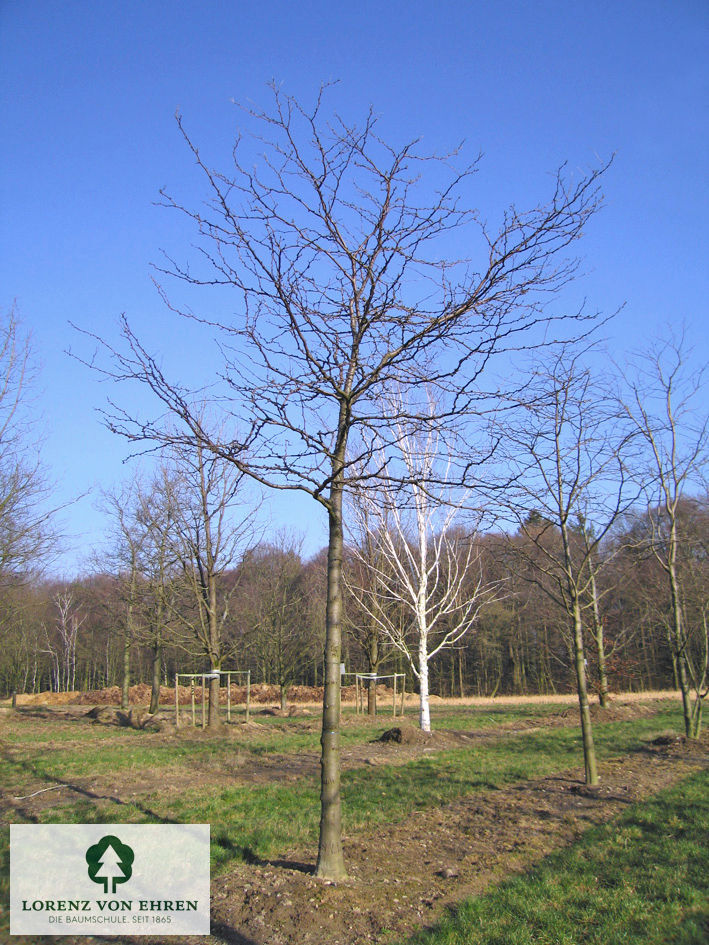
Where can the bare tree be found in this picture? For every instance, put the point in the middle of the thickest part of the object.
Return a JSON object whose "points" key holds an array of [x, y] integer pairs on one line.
{"points": [[662, 403], [276, 615], [335, 247], [212, 527], [366, 594], [567, 452], [123, 558], [420, 564], [27, 536], [155, 520]]}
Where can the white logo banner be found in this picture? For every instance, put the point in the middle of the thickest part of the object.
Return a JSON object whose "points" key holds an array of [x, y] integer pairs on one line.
{"points": [[109, 879]]}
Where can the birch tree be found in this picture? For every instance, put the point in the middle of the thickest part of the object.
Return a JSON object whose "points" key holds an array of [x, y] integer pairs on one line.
{"points": [[336, 248], [421, 565]]}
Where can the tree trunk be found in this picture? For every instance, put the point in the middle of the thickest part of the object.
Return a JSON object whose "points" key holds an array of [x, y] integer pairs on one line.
{"points": [[600, 648], [213, 719], [155, 690], [331, 863], [678, 643], [284, 696], [372, 697], [589, 751], [125, 690]]}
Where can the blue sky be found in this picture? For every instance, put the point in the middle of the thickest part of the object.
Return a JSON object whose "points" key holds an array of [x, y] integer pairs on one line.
{"points": [[88, 92]]}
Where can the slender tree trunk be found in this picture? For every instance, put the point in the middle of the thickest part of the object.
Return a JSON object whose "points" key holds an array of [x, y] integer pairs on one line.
{"points": [[155, 689], [422, 622], [331, 863], [284, 696], [373, 660], [372, 697], [678, 641], [213, 719], [589, 751], [424, 704], [600, 647]]}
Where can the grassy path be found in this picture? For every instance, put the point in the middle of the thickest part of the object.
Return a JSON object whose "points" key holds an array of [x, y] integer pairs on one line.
{"points": [[642, 879]]}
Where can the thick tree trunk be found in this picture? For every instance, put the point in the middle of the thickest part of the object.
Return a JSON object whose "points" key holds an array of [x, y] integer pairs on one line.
{"points": [[284, 696], [589, 751], [331, 863]]}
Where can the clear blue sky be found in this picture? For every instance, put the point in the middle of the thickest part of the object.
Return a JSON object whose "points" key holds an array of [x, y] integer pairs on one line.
{"points": [[88, 91]]}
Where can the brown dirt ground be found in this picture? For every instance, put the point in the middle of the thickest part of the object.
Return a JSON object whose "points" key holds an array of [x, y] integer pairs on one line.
{"points": [[458, 850]]}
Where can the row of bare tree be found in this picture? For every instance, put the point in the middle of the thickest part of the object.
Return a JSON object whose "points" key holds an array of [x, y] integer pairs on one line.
{"points": [[373, 358], [140, 622]]}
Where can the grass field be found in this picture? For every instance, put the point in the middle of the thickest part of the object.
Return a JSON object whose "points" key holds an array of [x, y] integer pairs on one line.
{"points": [[257, 786]]}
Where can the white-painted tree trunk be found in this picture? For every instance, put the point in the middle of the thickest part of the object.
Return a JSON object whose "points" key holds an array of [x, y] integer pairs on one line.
{"points": [[424, 706]]}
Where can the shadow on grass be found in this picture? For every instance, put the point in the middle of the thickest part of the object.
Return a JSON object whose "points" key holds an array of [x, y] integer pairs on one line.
{"points": [[248, 855], [81, 792]]}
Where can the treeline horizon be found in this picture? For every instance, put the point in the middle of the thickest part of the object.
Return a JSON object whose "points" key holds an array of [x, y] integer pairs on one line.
{"points": [[63, 636]]}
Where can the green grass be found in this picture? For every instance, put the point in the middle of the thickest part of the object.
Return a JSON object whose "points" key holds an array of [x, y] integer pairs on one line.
{"points": [[264, 820], [260, 821], [642, 879], [100, 751]]}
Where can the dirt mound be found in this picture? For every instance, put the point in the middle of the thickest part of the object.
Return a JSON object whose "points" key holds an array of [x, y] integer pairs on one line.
{"points": [[404, 735], [615, 712], [139, 694], [132, 718]]}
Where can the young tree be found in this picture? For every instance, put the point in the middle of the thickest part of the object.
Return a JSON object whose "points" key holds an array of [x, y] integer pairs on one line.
{"points": [[421, 563], [212, 527], [123, 558], [567, 451], [336, 248], [276, 614], [156, 517], [662, 403], [366, 596], [27, 537]]}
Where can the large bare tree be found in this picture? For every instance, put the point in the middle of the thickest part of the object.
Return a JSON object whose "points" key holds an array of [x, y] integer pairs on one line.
{"points": [[337, 249]]}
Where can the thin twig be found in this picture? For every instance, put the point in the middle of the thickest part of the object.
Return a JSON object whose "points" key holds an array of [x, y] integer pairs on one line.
{"points": [[26, 796]]}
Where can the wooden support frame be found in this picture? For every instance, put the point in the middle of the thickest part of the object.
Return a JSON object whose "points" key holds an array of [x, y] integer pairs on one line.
{"points": [[361, 678], [204, 677]]}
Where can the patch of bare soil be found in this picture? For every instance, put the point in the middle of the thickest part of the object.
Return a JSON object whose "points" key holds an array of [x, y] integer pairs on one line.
{"points": [[458, 851], [403, 876]]}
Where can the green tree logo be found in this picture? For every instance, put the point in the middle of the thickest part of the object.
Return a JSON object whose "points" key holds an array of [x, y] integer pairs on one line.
{"points": [[110, 862]]}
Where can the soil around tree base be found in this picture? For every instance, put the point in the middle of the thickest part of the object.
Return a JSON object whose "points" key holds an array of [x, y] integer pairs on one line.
{"points": [[458, 851]]}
